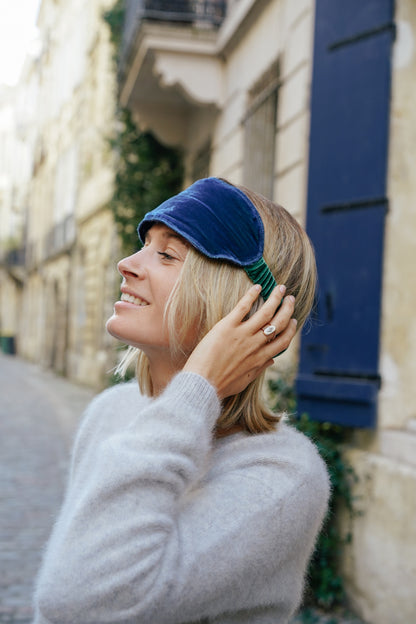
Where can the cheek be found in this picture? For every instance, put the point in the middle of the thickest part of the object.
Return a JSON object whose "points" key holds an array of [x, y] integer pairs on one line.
{"points": [[164, 287]]}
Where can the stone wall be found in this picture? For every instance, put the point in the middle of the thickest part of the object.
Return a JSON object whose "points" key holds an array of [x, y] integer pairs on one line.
{"points": [[71, 237], [380, 564]]}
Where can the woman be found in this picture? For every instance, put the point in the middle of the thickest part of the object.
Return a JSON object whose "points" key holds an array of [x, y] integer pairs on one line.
{"points": [[188, 500]]}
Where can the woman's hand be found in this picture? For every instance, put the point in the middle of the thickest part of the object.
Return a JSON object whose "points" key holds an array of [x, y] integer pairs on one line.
{"points": [[234, 352]]}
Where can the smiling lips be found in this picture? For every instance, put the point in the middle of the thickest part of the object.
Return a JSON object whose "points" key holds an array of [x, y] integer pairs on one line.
{"points": [[131, 299]]}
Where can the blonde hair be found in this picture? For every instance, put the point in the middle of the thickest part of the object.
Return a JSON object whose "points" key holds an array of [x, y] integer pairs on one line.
{"points": [[207, 290]]}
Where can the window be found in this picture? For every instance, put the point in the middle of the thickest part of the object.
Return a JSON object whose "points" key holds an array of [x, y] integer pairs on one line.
{"points": [[260, 134]]}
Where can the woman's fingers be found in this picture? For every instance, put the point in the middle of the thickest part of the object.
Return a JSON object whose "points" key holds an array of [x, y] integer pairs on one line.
{"points": [[271, 310], [267, 311], [275, 311], [283, 315], [245, 304], [282, 341], [277, 334], [235, 351]]}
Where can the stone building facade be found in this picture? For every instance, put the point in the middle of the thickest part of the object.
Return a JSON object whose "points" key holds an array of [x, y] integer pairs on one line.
{"points": [[70, 237], [232, 85], [9, 225], [16, 144]]}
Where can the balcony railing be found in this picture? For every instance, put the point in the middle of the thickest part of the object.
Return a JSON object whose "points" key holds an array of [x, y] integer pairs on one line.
{"points": [[208, 12], [13, 257], [60, 237]]}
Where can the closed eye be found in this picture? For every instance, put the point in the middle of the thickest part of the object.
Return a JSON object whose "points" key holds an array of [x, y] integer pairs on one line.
{"points": [[165, 255]]}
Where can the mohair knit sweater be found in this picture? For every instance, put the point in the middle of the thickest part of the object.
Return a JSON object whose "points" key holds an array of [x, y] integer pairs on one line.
{"points": [[162, 524]]}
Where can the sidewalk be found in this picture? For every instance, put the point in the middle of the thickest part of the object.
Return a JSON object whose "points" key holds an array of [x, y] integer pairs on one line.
{"points": [[39, 413]]}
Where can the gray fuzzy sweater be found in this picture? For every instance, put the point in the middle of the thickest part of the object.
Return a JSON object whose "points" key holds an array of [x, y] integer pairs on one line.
{"points": [[161, 524]]}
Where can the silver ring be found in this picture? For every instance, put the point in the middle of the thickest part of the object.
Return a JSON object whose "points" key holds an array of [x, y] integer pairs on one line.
{"points": [[269, 330]]}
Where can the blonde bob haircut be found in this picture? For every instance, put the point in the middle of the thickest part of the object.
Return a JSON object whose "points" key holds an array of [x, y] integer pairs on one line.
{"points": [[207, 290]]}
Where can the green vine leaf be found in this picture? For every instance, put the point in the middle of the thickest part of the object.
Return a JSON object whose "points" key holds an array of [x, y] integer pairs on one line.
{"points": [[147, 173], [325, 585]]}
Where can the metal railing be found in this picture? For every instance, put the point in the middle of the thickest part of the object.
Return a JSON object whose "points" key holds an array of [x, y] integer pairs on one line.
{"points": [[209, 12], [60, 237], [13, 257]]}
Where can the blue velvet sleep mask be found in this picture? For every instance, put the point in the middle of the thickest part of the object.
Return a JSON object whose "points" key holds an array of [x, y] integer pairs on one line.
{"points": [[221, 222]]}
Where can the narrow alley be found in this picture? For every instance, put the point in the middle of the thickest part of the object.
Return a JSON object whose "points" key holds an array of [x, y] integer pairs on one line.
{"points": [[38, 416]]}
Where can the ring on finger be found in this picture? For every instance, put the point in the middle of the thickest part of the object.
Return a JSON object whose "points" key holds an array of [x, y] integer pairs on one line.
{"points": [[269, 331]]}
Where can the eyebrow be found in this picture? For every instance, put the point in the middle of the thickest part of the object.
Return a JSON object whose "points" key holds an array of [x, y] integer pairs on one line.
{"points": [[169, 234], [177, 236]]}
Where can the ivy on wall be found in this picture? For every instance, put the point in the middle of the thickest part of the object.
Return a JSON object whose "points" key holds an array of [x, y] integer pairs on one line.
{"points": [[114, 17], [147, 173], [325, 587]]}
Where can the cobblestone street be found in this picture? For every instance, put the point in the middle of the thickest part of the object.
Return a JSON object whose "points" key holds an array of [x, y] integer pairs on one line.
{"points": [[38, 416]]}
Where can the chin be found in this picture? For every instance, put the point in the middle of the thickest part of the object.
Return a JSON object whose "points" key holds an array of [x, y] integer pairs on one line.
{"points": [[123, 331], [113, 327]]}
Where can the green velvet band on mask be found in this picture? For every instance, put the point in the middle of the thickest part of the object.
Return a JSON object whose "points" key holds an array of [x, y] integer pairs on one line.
{"points": [[259, 273]]}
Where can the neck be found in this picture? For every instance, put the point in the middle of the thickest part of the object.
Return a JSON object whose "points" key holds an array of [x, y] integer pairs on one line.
{"points": [[162, 369]]}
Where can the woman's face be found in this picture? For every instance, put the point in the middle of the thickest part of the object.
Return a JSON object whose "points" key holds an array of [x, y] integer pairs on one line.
{"points": [[148, 279]]}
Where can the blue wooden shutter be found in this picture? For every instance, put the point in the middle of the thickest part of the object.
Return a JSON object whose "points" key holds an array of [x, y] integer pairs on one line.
{"points": [[338, 378]]}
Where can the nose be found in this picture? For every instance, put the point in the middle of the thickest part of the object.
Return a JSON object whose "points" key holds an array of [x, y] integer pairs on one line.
{"points": [[130, 266]]}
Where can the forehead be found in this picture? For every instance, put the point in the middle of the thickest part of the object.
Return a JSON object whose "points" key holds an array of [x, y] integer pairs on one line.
{"points": [[160, 230]]}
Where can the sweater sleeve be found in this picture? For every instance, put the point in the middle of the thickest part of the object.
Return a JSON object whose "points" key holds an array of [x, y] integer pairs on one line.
{"points": [[141, 538]]}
